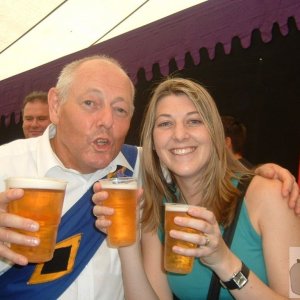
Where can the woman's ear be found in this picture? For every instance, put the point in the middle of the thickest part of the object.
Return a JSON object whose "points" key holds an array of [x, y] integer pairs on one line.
{"points": [[54, 104]]}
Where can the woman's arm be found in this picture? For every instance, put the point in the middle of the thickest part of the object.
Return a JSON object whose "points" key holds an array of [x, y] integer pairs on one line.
{"points": [[152, 250], [279, 228], [135, 281]]}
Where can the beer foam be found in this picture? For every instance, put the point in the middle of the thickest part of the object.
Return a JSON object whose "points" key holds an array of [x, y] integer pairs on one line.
{"points": [[35, 183], [176, 207], [119, 183]]}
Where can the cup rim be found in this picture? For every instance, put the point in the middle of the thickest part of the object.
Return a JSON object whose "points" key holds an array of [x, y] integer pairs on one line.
{"points": [[173, 206], [124, 182], [35, 183]]}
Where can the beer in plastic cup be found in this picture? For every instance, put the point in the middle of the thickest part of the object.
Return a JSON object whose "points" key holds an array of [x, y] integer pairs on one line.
{"points": [[174, 262], [42, 202], [122, 196]]}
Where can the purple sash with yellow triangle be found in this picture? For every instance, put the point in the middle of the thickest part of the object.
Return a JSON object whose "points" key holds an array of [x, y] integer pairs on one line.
{"points": [[78, 240]]}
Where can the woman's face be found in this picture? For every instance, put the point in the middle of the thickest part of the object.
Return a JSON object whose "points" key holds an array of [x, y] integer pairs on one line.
{"points": [[181, 140]]}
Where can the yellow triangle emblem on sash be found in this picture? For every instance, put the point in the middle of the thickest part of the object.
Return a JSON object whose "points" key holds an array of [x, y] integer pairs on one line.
{"points": [[61, 264]]}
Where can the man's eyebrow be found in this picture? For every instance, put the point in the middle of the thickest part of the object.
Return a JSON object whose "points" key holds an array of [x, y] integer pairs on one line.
{"points": [[100, 93], [93, 90], [119, 98]]}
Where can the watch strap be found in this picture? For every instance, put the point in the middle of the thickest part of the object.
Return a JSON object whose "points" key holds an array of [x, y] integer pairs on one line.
{"points": [[238, 279]]}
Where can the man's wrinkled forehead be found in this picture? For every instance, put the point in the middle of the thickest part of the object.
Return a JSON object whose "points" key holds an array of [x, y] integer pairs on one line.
{"points": [[103, 74], [102, 67]]}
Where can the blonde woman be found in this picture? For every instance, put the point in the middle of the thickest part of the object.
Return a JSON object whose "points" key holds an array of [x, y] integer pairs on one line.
{"points": [[185, 160]]}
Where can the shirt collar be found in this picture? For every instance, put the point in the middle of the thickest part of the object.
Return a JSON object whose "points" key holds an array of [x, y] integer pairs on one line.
{"points": [[46, 158]]}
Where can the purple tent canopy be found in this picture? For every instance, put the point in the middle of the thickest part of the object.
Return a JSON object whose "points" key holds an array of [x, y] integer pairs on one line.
{"points": [[201, 26]]}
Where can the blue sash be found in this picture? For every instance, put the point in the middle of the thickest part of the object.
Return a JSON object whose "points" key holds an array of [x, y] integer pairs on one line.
{"points": [[78, 219]]}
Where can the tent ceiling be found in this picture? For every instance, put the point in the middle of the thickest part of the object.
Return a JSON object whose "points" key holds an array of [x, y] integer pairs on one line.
{"points": [[209, 26], [34, 32]]}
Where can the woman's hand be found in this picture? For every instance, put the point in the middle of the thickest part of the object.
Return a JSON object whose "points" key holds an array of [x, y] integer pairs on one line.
{"points": [[211, 249], [100, 211]]}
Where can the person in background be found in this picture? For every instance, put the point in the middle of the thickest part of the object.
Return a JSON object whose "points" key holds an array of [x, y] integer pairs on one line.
{"points": [[235, 138], [35, 113], [91, 108], [183, 135]]}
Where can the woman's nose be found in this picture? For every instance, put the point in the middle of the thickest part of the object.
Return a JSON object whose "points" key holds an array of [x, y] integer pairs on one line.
{"points": [[180, 132]]}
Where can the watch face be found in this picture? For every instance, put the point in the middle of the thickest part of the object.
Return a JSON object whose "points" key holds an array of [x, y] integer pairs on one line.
{"points": [[240, 279]]}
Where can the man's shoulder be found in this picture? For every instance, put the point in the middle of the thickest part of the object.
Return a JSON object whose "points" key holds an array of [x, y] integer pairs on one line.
{"points": [[18, 147]]}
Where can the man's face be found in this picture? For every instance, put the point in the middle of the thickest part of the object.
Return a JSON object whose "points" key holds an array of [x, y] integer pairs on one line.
{"points": [[94, 119], [35, 118]]}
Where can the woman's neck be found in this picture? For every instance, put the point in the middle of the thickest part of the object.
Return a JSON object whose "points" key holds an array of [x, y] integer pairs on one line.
{"points": [[190, 191]]}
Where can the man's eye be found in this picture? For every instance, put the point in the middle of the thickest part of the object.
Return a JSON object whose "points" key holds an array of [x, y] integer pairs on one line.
{"points": [[121, 111], [88, 102]]}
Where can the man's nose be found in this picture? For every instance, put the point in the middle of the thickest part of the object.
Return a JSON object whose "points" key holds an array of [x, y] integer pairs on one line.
{"points": [[105, 117], [35, 122]]}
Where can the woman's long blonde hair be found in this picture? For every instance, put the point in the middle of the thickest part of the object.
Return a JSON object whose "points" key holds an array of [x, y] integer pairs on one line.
{"points": [[218, 193]]}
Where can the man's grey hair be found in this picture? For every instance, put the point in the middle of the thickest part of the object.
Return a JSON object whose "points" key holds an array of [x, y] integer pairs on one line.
{"points": [[66, 76]]}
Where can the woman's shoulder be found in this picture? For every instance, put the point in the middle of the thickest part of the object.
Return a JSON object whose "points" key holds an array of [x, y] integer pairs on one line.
{"points": [[264, 200], [262, 188]]}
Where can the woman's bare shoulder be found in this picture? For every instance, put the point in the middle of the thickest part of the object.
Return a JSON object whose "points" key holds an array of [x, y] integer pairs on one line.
{"points": [[264, 201], [264, 189]]}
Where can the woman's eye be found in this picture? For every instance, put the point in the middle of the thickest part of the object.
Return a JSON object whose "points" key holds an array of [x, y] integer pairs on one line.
{"points": [[194, 122], [164, 124]]}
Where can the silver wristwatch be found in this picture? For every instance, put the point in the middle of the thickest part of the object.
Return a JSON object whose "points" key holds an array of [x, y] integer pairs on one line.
{"points": [[238, 279]]}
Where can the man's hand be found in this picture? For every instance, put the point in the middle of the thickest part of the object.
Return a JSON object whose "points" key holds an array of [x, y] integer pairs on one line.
{"points": [[8, 221]]}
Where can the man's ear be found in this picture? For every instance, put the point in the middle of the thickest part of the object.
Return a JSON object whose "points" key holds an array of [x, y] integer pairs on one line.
{"points": [[228, 142], [54, 105]]}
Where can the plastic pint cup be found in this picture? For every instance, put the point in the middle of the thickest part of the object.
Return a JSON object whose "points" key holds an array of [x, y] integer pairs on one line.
{"points": [[42, 202], [122, 196], [174, 262]]}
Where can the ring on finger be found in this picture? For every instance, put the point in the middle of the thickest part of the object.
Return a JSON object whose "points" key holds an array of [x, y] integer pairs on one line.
{"points": [[206, 240]]}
